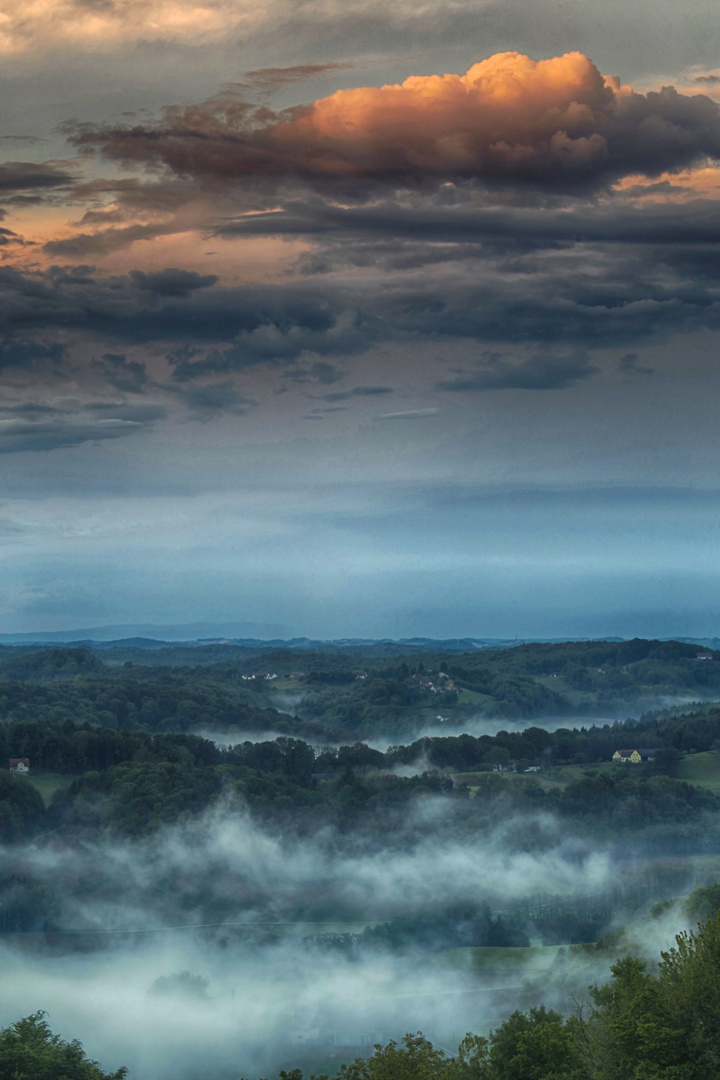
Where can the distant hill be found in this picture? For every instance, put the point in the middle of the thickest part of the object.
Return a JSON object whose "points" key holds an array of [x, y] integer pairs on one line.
{"points": [[164, 633], [147, 636]]}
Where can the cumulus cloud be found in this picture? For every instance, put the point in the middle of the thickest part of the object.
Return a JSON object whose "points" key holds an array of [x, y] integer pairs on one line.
{"points": [[557, 123]]}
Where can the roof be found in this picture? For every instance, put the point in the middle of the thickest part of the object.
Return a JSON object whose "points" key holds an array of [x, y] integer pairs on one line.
{"points": [[637, 750]]}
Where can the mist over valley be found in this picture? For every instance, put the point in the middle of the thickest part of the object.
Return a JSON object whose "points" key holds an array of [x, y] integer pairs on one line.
{"points": [[266, 892]]}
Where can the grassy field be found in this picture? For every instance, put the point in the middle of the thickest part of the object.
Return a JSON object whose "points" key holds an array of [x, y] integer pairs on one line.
{"points": [[557, 777], [48, 783], [702, 769], [497, 960]]}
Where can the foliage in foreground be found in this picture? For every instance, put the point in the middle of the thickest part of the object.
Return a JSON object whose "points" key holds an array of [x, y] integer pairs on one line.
{"points": [[30, 1051], [643, 1025]]}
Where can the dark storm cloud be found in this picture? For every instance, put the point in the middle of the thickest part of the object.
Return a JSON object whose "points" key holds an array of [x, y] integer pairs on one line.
{"points": [[172, 282], [536, 373], [556, 298], [554, 123], [25, 175], [8, 238], [271, 79], [388, 255], [27, 353], [130, 376], [41, 428], [630, 364], [207, 401], [616, 222], [320, 372], [357, 391], [273, 326], [84, 245]]}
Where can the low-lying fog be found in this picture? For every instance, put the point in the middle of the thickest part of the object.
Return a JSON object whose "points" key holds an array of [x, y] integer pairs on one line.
{"points": [[475, 725], [232, 906]]}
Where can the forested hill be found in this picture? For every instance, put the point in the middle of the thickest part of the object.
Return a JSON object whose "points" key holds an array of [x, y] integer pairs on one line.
{"points": [[340, 697], [134, 782]]}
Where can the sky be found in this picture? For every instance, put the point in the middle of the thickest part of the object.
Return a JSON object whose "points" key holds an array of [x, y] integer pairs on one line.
{"points": [[355, 319]]}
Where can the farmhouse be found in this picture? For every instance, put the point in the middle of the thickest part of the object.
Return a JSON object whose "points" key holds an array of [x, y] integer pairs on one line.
{"points": [[636, 756], [20, 765]]}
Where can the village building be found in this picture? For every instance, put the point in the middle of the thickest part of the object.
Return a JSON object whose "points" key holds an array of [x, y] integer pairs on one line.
{"points": [[635, 756], [20, 765]]}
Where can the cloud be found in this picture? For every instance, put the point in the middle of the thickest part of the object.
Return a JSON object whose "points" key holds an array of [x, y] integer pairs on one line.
{"points": [[409, 414], [172, 282], [25, 353], [281, 327], [43, 24], [106, 241], [26, 175], [614, 221], [207, 401], [535, 373], [42, 428], [129, 376], [8, 238], [555, 123], [271, 79], [357, 391], [550, 299], [629, 364]]}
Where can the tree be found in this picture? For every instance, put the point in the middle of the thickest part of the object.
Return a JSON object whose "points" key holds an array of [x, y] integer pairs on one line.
{"points": [[181, 984], [631, 1033], [30, 1051], [498, 757], [416, 1059], [534, 1046], [689, 981], [703, 902]]}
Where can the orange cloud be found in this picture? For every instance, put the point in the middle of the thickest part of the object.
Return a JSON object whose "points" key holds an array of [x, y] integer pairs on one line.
{"points": [[41, 24], [557, 123]]}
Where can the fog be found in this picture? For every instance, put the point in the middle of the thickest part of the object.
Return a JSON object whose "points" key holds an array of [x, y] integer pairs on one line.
{"points": [[260, 1004], [258, 914], [224, 863]]}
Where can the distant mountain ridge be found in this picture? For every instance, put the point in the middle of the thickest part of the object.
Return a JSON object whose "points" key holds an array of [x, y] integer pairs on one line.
{"points": [[148, 636]]}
